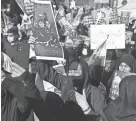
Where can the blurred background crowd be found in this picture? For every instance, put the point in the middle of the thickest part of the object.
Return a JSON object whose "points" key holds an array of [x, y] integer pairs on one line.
{"points": [[78, 88]]}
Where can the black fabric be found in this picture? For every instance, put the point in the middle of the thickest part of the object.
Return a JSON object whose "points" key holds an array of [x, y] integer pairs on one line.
{"points": [[95, 99], [26, 116], [96, 75], [20, 48], [8, 106], [123, 108], [2, 43], [15, 89], [30, 98], [50, 108], [106, 77], [15, 9], [82, 30], [46, 72], [53, 103], [10, 109], [73, 112], [79, 81], [13, 30], [68, 93], [129, 60]]}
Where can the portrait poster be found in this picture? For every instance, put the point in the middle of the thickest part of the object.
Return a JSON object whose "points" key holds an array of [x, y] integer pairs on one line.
{"points": [[47, 45], [115, 35]]}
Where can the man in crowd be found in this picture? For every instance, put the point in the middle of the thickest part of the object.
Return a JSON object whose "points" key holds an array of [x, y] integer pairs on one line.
{"points": [[17, 50], [19, 81]]}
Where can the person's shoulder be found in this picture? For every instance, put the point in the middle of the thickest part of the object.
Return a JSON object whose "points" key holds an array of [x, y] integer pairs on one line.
{"points": [[4, 39], [6, 44], [24, 41]]}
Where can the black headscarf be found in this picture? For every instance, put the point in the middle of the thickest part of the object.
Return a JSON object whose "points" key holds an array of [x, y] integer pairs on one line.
{"points": [[129, 60], [124, 107], [79, 81]]}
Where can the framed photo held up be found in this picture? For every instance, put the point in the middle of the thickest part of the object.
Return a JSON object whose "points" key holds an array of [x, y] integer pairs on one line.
{"points": [[47, 45]]}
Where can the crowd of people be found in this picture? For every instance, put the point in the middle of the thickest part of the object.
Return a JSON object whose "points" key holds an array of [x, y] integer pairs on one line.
{"points": [[33, 90]]}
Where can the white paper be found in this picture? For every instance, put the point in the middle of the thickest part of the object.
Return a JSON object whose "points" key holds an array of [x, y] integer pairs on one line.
{"points": [[116, 33]]}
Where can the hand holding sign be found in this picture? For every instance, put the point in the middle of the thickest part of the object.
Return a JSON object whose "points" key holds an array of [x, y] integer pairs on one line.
{"points": [[31, 40]]}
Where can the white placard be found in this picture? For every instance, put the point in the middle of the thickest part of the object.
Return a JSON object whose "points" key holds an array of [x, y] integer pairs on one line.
{"points": [[116, 33]]}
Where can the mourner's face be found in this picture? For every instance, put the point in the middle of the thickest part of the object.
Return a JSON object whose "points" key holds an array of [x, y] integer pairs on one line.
{"points": [[11, 37], [123, 67], [41, 24], [34, 67]]}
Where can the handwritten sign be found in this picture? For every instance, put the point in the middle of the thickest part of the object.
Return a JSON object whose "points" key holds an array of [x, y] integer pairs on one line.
{"points": [[116, 33], [47, 44]]}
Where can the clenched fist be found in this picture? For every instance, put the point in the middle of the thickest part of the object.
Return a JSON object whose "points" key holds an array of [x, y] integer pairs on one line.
{"points": [[31, 40]]}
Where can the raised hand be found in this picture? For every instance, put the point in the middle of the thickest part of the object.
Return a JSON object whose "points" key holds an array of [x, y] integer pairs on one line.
{"points": [[31, 40], [82, 102]]}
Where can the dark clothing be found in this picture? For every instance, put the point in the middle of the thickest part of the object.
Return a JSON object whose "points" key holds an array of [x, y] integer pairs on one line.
{"points": [[19, 53], [96, 73], [46, 72], [30, 97], [8, 106], [15, 9], [13, 86], [95, 99], [124, 107], [106, 77], [73, 112], [85, 73], [10, 110], [51, 108], [129, 60]]}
